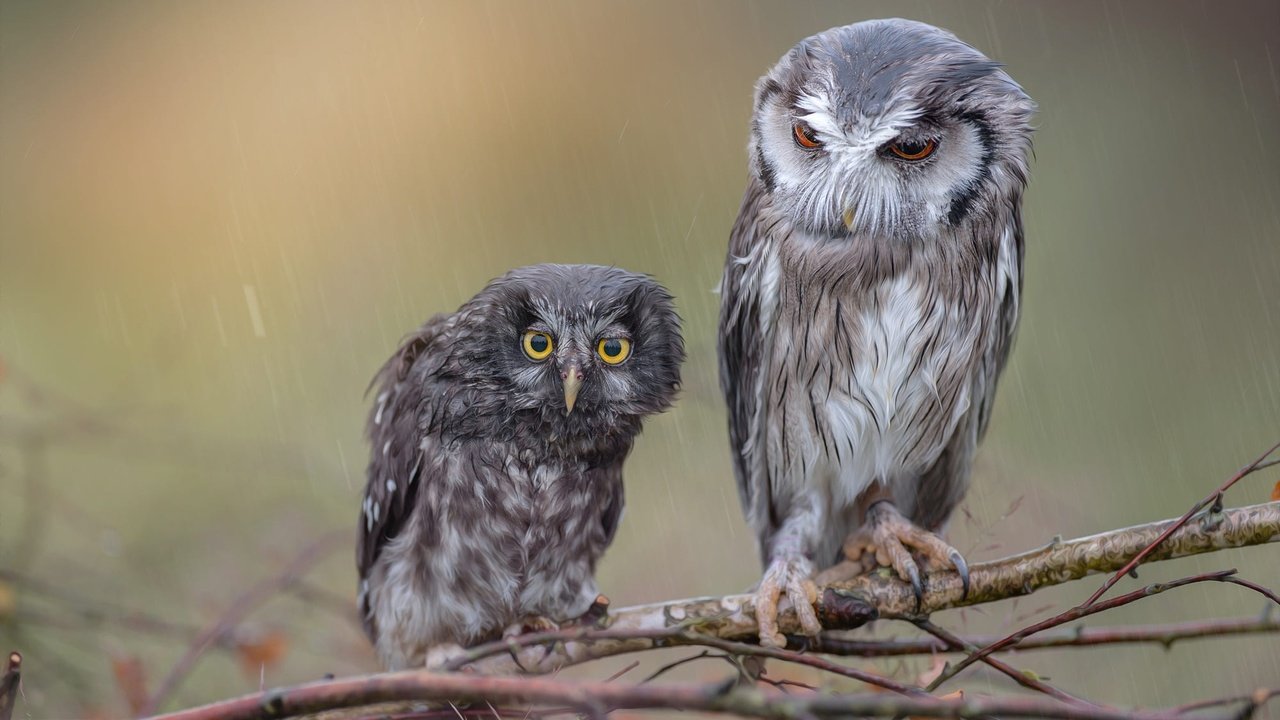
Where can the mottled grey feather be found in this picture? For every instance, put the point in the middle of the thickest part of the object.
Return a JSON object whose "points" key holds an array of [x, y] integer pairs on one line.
{"points": [[486, 503]]}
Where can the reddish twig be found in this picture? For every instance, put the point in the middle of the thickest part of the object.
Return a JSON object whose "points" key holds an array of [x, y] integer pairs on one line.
{"points": [[1016, 675], [1214, 497], [1075, 613], [239, 609], [596, 698], [9, 685], [1162, 634], [1251, 702], [1268, 593]]}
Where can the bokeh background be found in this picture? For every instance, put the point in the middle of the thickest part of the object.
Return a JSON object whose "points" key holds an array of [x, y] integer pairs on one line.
{"points": [[218, 218]]}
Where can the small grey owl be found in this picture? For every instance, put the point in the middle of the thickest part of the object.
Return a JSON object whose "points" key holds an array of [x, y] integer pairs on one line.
{"points": [[498, 437], [869, 299]]}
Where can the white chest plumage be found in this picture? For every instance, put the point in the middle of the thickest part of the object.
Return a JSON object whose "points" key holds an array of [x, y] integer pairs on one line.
{"points": [[868, 385]]}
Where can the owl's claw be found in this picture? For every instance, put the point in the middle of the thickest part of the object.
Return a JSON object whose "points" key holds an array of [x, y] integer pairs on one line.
{"points": [[791, 576], [962, 569], [891, 535]]}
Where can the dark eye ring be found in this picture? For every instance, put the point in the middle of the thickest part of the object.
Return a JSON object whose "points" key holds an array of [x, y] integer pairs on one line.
{"points": [[913, 150], [805, 136]]}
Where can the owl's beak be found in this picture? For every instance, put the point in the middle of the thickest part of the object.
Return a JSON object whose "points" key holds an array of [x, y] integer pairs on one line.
{"points": [[850, 216], [572, 377]]}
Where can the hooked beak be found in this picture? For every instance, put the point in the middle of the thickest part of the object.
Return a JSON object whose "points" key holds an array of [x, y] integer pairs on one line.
{"points": [[572, 377], [850, 216]]}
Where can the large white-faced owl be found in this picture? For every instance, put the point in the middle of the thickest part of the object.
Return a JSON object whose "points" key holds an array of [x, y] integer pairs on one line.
{"points": [[869, 299], [497, 442]]}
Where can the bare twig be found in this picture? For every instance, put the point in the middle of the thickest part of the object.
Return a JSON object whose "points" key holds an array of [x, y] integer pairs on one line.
{"points": [[241, 607], [1014, 674], [597, 697], [1076, 613], [1163, 634], [1214, 497], [9, 685], [1251, 702]]}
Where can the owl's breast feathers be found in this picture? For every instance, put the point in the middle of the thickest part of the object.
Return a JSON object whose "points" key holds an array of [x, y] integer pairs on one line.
{"points": [[868, 361]]}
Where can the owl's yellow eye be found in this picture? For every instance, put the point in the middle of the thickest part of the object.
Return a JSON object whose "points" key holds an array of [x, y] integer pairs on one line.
{"points": [[805, 137], [537, 345], [614, 350], [913, 149]]}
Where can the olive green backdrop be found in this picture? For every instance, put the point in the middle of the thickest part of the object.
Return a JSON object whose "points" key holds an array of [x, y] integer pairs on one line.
{"points": [[217, 218]]}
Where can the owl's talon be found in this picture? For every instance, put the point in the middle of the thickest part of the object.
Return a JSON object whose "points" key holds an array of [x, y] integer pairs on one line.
{"points": [[962, 569], [917, 587], [892, 534]]}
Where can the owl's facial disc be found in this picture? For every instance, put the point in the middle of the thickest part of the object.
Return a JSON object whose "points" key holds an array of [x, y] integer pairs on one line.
{"points": [[841, 169]]}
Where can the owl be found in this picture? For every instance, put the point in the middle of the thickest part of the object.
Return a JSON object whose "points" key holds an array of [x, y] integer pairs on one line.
{"points": [[869, 300], [497, 439]]}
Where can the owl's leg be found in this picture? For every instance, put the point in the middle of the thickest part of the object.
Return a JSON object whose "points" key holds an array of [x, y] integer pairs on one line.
{"points": [[857, 561], [890, 534]]}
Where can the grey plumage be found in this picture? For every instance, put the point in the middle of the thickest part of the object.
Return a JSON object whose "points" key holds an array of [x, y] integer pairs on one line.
{"points": [[488, 501], [870, 294]]}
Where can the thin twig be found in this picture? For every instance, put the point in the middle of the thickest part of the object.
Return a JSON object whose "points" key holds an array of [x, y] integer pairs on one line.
{"points": [[1162, 634], [239, 609], [1014, 674], [1213, 497], [9, 685], [1073, 614], [1252, 702]]}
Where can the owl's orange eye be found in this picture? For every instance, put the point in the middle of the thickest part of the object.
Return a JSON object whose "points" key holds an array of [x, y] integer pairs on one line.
{"points": [[913, 149], [805, 137]]}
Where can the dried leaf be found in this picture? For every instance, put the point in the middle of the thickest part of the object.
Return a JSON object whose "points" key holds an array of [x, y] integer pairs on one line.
{"points": [[8, 601], [936, 668], [261, 650], [1275, 491], [131, 678]]}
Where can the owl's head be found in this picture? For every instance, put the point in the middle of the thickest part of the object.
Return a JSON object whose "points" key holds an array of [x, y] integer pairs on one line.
{"points": [[888, 128], [575, 349]]}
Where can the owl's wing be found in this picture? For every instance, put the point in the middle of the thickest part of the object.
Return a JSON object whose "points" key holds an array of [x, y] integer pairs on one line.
{"points": [[395, 433], [747, 293], [1009, 272], [942, 486]]}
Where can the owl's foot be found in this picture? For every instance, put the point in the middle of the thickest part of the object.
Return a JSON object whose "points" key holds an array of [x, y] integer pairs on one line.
{"points": [[886, 538], [789, 576]]}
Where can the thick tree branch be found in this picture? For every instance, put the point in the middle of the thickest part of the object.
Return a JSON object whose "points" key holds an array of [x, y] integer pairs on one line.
{"points": [[851, 604]]}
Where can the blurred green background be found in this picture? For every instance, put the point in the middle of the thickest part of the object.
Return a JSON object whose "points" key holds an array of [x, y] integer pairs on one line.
{"points": [[217, 219]]}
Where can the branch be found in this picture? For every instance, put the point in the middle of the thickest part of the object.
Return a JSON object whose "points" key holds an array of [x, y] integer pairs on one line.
{"points": [[1163, 634], [851, 604], [9, 685], [597, 698]]}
